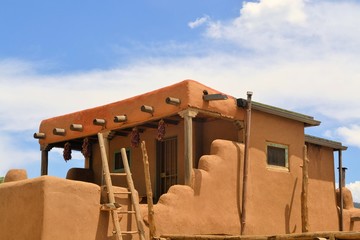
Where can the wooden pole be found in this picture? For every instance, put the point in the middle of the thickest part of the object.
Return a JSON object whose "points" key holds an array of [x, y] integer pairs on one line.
{"points": [[188, 115], [246, 159], [44, 161], [341, 223], [149, 193], [304, 193]]}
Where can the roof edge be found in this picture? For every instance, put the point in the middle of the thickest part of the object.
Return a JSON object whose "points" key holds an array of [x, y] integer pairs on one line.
{"points": [[324, 142], [309, 121]]}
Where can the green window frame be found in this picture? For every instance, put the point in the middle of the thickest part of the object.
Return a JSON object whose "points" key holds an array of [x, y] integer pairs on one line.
{"points": [[277, 155]]}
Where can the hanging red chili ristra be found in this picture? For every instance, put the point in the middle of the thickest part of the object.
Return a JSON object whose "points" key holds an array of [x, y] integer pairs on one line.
{"points": [[67, 151], [86, 148], [161, 130], [135, 137]]}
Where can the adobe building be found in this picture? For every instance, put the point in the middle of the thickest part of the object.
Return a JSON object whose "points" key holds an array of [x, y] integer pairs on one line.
{"points": [[218, 165]]}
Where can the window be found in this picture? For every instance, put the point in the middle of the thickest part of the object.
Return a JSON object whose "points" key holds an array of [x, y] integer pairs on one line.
{"points": [[277, 155], [118, 161]]}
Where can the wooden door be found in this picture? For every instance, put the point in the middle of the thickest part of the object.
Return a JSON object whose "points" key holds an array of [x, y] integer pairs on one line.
{"points": [[166, 165]]}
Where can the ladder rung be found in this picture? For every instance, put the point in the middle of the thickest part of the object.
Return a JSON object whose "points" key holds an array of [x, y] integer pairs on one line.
{"points": [[129, 232], [110, 206], [126, 212], [118, 174], [122, 192]]}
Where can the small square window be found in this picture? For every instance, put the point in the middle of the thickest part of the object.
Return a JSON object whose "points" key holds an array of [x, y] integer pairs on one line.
{"points": [[277, 155], [118, 161]]}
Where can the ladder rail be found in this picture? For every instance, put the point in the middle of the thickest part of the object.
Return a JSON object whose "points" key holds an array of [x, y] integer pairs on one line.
{"points": [[139, 221], [105, 166]]}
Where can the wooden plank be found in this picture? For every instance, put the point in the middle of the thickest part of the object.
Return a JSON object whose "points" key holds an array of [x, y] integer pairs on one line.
{"points": [[355, 219], [300, 236]]}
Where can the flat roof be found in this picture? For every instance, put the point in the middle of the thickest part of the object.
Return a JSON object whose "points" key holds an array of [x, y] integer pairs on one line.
{"points": [[148, 107], [189, 93], [307, 120], [324, 142]]}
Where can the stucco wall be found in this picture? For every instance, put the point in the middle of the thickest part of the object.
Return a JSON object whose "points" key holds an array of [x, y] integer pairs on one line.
{"points": [[50, 208], [204, 134], [323, 213], [213, 205], [214, 129], [274, 193]]}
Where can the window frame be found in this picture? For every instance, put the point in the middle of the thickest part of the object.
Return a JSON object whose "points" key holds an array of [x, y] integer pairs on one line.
{"points": [[281, 146]]}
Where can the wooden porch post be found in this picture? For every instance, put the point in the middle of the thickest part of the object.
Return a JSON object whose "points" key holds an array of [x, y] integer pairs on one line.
{"points": [[44, 160], [188, 115], [105, 138]]}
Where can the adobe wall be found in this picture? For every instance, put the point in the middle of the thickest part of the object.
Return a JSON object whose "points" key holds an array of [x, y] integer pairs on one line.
{"points": [[21, 222], [212, 206], [50, 208], [274, 204], [204, 134], [207, 132], [323, 213]]}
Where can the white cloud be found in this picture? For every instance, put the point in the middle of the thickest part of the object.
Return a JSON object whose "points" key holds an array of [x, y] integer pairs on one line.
{"points": [[355, 190], [277, 11], [350, 135], [198, 22], [12, 156], [309, 59], [292, 27]]}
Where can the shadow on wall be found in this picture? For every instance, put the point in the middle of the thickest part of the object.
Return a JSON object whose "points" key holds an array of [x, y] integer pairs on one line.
{"points": [[288, 210], [239, 182]]}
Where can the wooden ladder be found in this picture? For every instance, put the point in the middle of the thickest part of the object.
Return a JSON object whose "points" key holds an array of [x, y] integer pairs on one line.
{"points": [[114, 207]]}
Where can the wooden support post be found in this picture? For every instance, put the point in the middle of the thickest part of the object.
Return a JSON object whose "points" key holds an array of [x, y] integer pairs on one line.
{"points": [[188, 115], [149, 193], [304, 193], [44, 161], [246, 159], [341, 223]]}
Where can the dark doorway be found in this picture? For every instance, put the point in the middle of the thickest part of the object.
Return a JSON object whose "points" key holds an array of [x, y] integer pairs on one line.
{"points": [[166, 165]]}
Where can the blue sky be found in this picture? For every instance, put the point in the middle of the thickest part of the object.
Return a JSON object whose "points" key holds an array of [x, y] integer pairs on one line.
{"points": [[58, 57]]}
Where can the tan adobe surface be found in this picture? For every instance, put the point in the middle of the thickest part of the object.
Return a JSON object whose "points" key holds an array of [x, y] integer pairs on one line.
{"points": [[189, 92]]}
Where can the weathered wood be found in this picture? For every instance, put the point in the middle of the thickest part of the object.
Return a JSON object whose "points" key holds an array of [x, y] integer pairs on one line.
{"points": [[139, 222], [118, 174], [105, 166], [341, 218], [355, 219], [298, 236], [246, 159], [110, 206], [188, 115], [304, 193], [149, 193], [44, 161]]}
